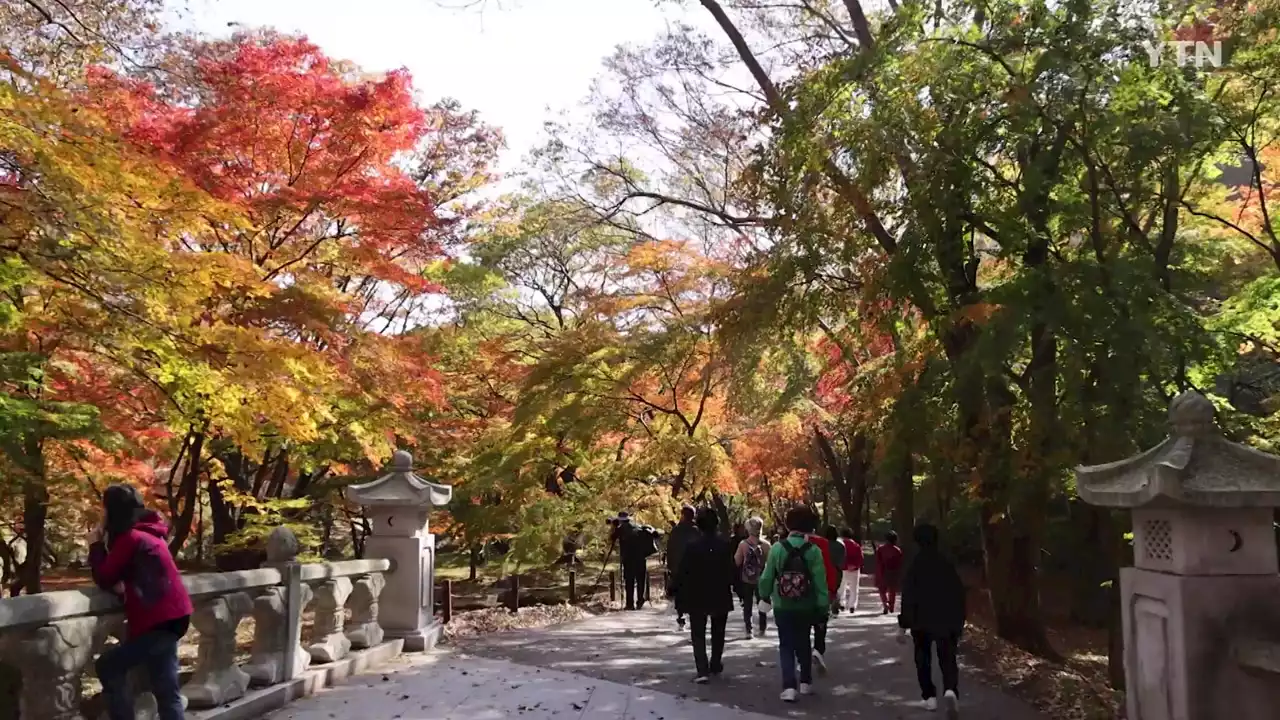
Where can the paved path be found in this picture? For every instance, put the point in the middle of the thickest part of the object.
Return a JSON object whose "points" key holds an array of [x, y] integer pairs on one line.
{"points": [[638, 666], [871, 678], [443, 686]]}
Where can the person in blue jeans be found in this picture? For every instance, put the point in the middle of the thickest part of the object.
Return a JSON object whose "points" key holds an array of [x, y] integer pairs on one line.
{"points": [[795, 581], [129, 555]]}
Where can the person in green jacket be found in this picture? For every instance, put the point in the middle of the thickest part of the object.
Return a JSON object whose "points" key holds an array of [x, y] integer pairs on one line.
{"points": [[795, 581]]}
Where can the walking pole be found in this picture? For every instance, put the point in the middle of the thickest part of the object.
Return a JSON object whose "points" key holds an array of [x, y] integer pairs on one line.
{"points": [[605, 566]]}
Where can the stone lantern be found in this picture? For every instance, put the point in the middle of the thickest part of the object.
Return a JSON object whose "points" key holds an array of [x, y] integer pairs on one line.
{"points": [[398, 505], [1201, 609]]}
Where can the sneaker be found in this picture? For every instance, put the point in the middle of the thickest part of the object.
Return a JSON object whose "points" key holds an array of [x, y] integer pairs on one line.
{"points": [[806, 689], [931, 704], [819, 663], [789, 695], [749, 633], [952, 704], [702, 679]]}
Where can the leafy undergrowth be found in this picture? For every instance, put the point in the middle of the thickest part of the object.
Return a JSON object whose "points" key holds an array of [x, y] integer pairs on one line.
{"points": [[1076, 689], [492, 620]]}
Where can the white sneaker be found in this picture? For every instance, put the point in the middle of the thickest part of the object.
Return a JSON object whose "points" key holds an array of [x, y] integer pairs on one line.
{"points": [[952, 704], [931, 704], [819, 662], [702, 679], [806, 689], [789, 695]]}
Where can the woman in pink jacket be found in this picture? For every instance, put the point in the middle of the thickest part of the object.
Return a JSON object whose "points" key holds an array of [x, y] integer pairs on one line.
{"points": [[133, 559]]}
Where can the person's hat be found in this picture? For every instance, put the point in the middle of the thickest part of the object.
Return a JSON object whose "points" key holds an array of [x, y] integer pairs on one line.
{"points": [[624, 515]]}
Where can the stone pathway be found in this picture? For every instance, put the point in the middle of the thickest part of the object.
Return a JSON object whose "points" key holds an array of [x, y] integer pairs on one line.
{"points": [[871, 676], [638, 666], [443, 686]]}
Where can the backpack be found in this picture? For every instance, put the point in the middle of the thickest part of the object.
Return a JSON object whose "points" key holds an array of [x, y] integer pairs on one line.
{"points": [[795, 582], [752, 564]]}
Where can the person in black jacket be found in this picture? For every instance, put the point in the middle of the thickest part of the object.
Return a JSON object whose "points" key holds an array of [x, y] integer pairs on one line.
{"points": [[933, 610], [703, 589], [635, 545], [684, 532]]}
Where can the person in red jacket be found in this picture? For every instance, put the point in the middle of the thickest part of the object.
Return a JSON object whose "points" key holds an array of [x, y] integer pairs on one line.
{"points": [[157, 609], [889, 571], [833, 582], [852, 571]]}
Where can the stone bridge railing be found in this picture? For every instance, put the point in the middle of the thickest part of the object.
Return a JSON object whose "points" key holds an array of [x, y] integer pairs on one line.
{"points": [[51, 639]]}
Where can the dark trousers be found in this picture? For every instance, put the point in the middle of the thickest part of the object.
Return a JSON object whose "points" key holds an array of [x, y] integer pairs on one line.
{"points": [[633, 575], [820, 636], [946, 645], [793, 646], [157, 653], [698, 633], [748, 594]]}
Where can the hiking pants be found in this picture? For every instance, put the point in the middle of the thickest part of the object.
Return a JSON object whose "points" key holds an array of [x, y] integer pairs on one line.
{"points": [[946, 647]]}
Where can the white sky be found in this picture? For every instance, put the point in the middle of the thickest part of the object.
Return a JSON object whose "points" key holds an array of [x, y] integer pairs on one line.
{"points": [[517, 61]]}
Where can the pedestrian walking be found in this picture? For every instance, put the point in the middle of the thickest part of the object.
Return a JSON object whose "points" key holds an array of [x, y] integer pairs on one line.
{"points": [[795, 581], [635, 545], [703, 590], [750, 559], [832, 575], [933, 611], [838, 553], [889, 571], [682, 534], [852, 570]]}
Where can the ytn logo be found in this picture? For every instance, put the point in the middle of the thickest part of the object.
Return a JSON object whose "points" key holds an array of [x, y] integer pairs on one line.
{"points": [[1207, 54]]}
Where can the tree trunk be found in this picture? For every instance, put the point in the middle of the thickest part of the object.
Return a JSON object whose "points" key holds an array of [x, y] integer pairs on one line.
{"points": [[188, 495], [35, 513], [1010, 539]]}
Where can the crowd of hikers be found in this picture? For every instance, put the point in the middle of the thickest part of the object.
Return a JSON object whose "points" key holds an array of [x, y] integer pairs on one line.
{"points": [[804, 576]]}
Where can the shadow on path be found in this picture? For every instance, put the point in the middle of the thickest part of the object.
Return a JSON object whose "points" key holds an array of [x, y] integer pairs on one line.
{"points": [[871, 676]]}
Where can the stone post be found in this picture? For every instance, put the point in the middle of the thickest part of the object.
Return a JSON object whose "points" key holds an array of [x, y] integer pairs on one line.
{"points": [[52, 660], [217, 678], [1202, 597], [278, 654], [328, 642], [398, 505], [363, 629]]}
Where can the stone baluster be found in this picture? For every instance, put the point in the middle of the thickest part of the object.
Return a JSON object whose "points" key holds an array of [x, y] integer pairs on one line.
{"points": [[363, 630], [217, 679], [328, 643], [52, 660], [278, 654]]}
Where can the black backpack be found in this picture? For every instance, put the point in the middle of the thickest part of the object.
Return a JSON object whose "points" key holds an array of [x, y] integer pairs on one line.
{"points": [[795, 582]]}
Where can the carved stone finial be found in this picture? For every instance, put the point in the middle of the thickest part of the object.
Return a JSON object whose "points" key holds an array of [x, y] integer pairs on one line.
{"points": [[1191, 415], [282, 545], [402, 461]]}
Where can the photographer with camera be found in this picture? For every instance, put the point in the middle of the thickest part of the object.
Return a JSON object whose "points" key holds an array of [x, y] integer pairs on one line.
{"points": [[635, 544]]}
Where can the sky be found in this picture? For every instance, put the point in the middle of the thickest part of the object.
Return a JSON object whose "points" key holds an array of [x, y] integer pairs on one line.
{"points": [[516, 61]]}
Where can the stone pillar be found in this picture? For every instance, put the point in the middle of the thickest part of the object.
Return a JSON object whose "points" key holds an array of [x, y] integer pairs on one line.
{"points": [[217, 679], [363, 629], [278, 654], [328, 642], [1202, 597], [398, 505], [52, 660]]}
